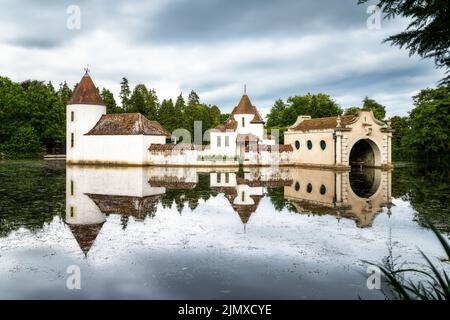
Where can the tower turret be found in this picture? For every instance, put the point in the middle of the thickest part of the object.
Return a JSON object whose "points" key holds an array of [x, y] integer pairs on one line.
{"points": [[83, 111]]}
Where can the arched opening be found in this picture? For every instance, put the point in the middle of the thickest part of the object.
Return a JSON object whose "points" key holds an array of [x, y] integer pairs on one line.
{"points": [[365, 182], [364, 153]]}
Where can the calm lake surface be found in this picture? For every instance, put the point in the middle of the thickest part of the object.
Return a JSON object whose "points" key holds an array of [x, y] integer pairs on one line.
{"points": [[178, 233]]}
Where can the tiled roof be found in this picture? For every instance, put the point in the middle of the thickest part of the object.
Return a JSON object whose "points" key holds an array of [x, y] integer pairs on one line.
{"points": [[86, 93], [246, 137], [322, 123], [137, 207], [85, 235], [169, 147], [244, 107], [229, 125], [128, 124]]}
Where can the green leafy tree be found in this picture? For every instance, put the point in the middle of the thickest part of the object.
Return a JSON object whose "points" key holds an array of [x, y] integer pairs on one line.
{"points": [[64, 93], [352, 111], [166, 114], [180, 108], [144, 101], [276, 113], [430, 124], [427, 33], [379, 111], [125, 93], [24, 143], [400, 148], [110, 102]]}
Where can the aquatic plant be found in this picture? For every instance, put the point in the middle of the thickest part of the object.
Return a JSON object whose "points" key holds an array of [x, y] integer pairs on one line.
{"points": [[434, 284]]}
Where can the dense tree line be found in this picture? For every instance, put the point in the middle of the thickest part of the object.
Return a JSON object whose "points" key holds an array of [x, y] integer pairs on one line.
{"points": [[424, 134], [32, 113]]}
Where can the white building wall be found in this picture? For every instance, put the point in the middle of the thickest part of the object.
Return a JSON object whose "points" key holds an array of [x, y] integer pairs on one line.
{"points": [[315, 155], [254, 128], [229, 151], [85, 118]]}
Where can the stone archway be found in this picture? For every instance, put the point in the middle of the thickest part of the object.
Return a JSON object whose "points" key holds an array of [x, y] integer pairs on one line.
{"points": [[365, 153]]}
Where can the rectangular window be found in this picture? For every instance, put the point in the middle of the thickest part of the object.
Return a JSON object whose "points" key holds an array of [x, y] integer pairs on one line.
{"points": [[227, 141], [243, 122], [71, 188], [72, 140], [72, 213], [227, 177], [72, 116], [243, 196], [219, 177], [219, 141]]}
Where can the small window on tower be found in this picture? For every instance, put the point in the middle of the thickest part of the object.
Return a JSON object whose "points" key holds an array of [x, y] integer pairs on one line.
{"points": [[72, 140], [72, 116], [227, 141], [71, 188], [219, 177], [72, 213], [219, 141], [243, 122]]}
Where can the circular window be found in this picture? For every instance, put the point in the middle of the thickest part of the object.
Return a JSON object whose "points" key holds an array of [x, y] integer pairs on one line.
{"points": [[323, 144], [309, 144], [323, 189], [309, 188], [297, 144], [297, 186]]}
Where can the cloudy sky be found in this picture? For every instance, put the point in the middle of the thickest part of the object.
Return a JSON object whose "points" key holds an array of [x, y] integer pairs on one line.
{"points": [[279, 48]]}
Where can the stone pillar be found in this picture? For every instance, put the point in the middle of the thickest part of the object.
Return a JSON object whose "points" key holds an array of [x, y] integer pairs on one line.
{"points": [[389, 153], [338, 148]]}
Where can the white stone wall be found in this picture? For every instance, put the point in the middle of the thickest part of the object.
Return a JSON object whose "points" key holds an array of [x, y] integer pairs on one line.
{"points": [[229, 150], [315, 155], [85, 118], [117, 149]]}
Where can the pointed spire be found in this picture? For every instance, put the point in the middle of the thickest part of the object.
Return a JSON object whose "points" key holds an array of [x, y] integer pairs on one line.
{"points": [[86, 92]]}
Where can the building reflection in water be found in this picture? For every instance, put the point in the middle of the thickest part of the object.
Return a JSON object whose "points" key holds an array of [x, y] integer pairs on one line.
{"points": [[359, 194], [93, 193]]}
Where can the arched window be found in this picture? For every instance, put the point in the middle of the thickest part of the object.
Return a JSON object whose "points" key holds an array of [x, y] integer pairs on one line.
{"points": [[309, 143], [297, 144], [323, 189], [323, 144], [309, 188], [297, 186]]}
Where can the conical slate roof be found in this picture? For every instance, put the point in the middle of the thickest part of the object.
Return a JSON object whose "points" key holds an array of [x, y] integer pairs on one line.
{"points": [[86, 93], [245, 107]]}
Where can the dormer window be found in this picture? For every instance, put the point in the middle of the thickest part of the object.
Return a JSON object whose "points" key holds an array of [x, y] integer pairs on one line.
{"points": [[243, 122]]}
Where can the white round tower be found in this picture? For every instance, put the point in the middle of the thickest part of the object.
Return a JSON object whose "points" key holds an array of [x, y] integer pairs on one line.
{"points": [[83, 111]]}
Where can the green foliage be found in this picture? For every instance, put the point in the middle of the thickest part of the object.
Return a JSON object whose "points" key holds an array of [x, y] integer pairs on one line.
{"points": [[400, 145], [429, 135], [110, 102], [284, 114], [379, 111], [143, 101], [125, 93], [25, 143], [434, 284], [31, 114], [427, 31], [352, 111]]}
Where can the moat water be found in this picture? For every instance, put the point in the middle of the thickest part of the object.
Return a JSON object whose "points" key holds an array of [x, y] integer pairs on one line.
{"points": [[186, 233]]}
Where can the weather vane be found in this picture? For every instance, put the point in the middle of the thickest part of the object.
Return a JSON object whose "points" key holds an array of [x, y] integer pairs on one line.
{"points": [[87, 69], [245, 89]]}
